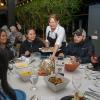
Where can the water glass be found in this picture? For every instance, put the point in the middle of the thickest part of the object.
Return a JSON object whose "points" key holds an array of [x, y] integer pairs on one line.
{"points": [[76, 81], [97, 82], [35, 59], [34, 79], [87, 73]]}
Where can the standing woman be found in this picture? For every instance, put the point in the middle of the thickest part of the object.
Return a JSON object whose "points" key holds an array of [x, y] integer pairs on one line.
{"points": [[55, 34], [5, 44]]}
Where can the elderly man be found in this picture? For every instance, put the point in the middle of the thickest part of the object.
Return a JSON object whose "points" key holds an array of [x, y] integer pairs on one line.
{"points": [[81, 47]]}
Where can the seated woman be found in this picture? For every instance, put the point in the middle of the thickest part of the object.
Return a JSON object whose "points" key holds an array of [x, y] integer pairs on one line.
{"points": [[81, 47], [5, 44], [31, 44], [4, 86]]}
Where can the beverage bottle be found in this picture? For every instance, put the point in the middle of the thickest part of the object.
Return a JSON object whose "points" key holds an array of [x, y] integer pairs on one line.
{"points": [[59, 66]]}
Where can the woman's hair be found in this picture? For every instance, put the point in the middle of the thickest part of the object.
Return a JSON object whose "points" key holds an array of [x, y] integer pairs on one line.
{"points": [[54, 16], [2, 30], [28, 29], [3, 75]]}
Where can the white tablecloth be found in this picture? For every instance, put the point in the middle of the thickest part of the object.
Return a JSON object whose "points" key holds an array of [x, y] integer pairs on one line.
{"points": [[43, 92]]}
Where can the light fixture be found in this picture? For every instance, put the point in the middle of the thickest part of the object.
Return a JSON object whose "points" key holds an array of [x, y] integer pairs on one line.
{"points": [[1, 4]]}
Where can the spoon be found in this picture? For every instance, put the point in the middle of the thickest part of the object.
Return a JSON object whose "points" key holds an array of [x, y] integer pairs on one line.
{"points": [[34, 97]]}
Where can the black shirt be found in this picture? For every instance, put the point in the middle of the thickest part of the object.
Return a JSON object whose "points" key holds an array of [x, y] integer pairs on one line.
{"points": [[31, 46]]}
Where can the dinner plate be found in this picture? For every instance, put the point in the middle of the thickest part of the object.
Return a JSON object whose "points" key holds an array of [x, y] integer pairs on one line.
{"points": [[67, 97]]}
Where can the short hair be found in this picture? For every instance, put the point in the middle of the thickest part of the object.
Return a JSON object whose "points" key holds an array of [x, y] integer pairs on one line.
{"points": [[54, 16]]}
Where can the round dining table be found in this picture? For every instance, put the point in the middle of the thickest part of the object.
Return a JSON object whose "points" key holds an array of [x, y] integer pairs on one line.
{"points": [[45, 93]]}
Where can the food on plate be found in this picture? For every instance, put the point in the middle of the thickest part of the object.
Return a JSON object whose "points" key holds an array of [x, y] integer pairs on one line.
{"points": [[47, 49], [55, 80]]}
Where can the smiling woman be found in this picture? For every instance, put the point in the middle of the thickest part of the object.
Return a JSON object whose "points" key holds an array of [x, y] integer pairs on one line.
{"points": [[5, 44]]}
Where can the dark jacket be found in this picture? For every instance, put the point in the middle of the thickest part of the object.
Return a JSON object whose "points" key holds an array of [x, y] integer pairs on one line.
{"points": [[31, 46], [10, 52], [83, 50]]}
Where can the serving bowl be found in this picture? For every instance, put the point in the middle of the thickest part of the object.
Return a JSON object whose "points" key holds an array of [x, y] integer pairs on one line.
{"points": [[71, 65], [25, 75], [24, 71], [56, 82]]}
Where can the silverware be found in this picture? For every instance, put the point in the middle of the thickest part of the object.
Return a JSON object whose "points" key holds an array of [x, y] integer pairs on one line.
{"points": [[31, 61], [34, 97], [92, 94], [92, 90]]}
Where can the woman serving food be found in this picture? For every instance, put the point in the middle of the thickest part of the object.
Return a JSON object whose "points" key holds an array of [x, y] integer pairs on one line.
{"points": [[55, 34]]}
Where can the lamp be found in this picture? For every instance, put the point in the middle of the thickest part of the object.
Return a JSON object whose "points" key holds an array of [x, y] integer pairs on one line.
{"points": [[1, 4]]}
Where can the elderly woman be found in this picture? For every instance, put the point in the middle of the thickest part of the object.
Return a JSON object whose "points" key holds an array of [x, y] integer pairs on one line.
{"points": [[55, 34], [4, 86], [5, 44]]}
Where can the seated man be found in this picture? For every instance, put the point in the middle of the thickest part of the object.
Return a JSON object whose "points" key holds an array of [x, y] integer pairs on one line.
{"points": [[81, 47], [31, 44]]}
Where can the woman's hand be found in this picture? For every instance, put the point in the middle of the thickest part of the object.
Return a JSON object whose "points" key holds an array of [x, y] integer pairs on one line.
{"points": [[52, 57], [27, 53], [47, 44]]}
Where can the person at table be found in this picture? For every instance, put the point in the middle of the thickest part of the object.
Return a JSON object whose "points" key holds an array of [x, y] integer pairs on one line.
{"points": [[55, 34], [95, 62], [4, 86], [81, 47], [6, 45], [31, 44]]}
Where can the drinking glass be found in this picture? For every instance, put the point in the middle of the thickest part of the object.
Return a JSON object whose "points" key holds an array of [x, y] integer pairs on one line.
{"points": [[88, 73], [35, 59], [76, 81], [34, 79]]}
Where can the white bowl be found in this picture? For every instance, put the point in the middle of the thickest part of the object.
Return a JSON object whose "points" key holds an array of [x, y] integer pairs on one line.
{"points": [[59, 86], [24, 73]]}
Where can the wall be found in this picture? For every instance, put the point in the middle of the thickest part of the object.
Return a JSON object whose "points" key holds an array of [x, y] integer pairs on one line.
{"points": [[94, 26]]}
